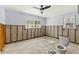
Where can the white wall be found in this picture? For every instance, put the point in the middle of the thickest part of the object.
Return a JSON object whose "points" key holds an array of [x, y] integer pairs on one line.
{"points": [[18, 18], [54, 21], [2, 14], [58, 20]]}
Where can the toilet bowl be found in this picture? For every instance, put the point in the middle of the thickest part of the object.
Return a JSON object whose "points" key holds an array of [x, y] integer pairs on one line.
{"points": [[61, 48]]}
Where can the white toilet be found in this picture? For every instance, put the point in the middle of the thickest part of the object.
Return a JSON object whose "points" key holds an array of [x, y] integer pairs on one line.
{"points": [[61, 47]]}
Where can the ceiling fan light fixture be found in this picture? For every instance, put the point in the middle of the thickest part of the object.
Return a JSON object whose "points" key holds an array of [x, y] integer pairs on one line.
{"points": [[42, 8]]}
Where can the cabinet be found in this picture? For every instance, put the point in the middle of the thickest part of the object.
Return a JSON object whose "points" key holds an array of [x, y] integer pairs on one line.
{"points": [[2, 36]]}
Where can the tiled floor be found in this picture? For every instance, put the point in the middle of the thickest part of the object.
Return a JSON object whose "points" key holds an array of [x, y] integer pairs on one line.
{"points": [[41, 45]]}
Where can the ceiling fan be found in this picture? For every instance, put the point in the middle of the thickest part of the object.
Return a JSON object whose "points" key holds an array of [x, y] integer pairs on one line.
{"points": [[42, 8]]}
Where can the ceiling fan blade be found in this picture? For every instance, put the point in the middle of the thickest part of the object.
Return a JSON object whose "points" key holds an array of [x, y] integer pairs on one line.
{"points": [[46, 7], [36, 7]]}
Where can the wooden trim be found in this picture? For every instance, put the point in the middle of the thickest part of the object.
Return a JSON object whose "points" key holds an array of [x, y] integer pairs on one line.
{"points": [[40, 32], [74, 42], [53, 31], [34, 32], [45, 30], [57, 31], [27, 34], [22, 32], [31, 32], [10, 33], [75, 36], [37, 32], [17, 34], [64, 36], [62, 30], [50, 30], [52, 37]]}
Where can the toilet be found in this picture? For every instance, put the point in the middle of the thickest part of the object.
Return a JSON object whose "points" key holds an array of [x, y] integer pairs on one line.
{"points": [[61, 47]]}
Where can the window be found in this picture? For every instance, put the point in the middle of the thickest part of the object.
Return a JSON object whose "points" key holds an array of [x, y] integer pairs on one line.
{"points": [[32, 24], [70, 22]]}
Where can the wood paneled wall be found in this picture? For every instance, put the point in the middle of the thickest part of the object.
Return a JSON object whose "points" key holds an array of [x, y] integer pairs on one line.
{"points": [[16, 33], [53, 31], [56, 31]]}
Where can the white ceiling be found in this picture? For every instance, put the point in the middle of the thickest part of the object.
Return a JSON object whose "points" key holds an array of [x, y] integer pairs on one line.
{"points": [[52, 11]]}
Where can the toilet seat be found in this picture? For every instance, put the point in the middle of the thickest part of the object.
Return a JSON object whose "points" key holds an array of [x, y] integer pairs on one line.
{"points": [[61, 50], [62, 47]]}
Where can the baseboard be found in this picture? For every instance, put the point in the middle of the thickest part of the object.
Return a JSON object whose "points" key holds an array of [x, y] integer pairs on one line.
{"points": [[23, 40], [37, 37]]}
